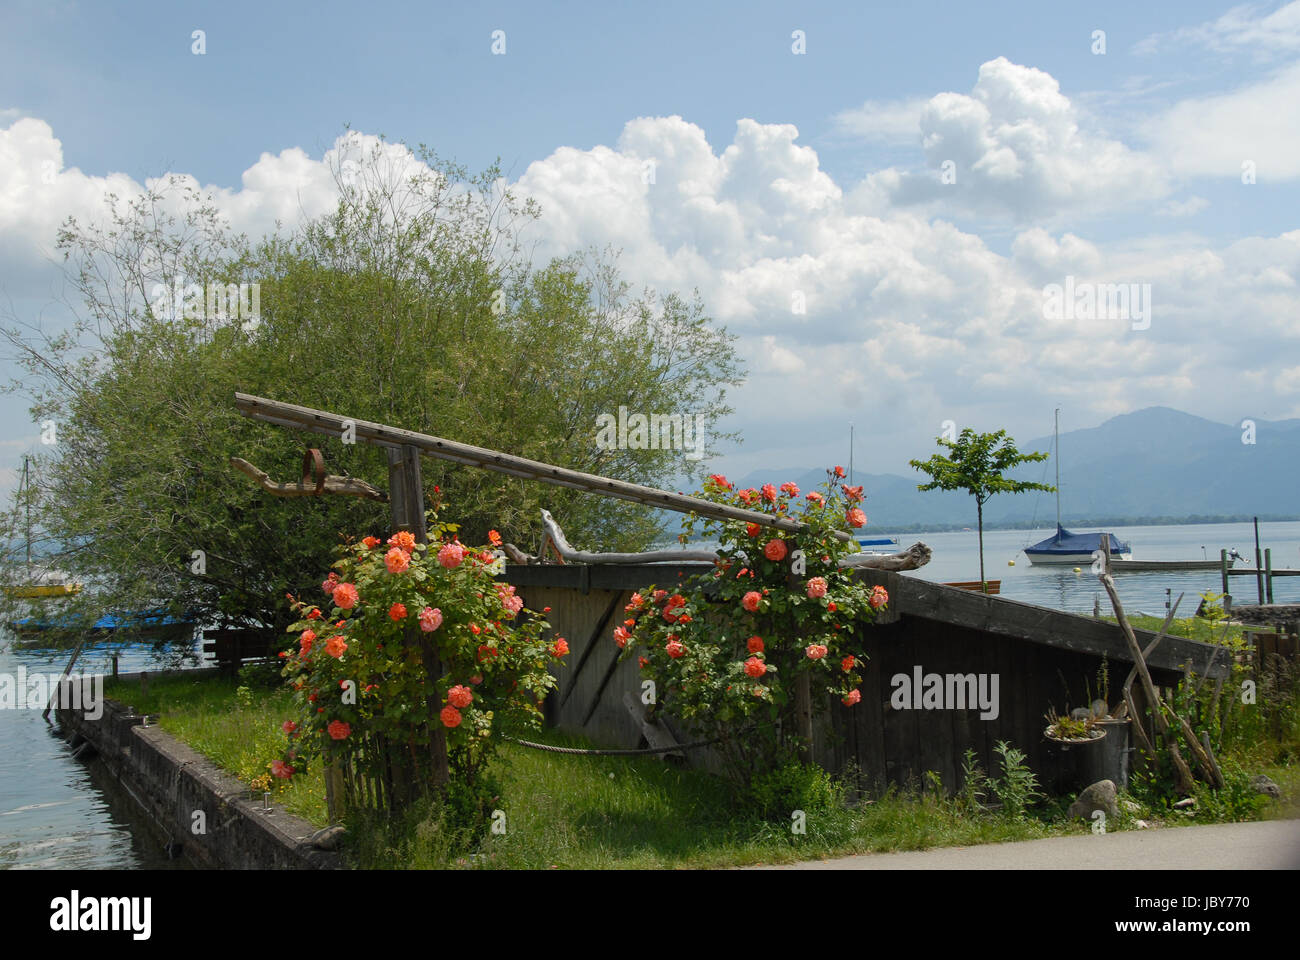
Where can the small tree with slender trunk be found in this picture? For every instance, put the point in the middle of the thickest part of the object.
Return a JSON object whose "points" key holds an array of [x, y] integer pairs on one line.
{"points": [[977, 464]]}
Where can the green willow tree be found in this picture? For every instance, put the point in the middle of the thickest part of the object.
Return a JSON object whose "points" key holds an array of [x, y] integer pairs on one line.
{"points": [[977, 463], [411, 303]]}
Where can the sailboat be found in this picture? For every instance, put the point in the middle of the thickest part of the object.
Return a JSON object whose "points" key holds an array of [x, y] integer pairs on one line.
{"points": [[1066, 547], [38, 582]]}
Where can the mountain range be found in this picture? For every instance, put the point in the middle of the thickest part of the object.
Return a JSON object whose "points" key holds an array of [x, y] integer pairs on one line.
{"points": [[1157, 464]]}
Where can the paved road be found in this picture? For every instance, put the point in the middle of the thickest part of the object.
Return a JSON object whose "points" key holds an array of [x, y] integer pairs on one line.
{"points": [[1264, 845]]}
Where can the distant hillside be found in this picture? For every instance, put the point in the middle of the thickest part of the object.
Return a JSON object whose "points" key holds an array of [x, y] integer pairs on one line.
{"points": [[1155, 463]]}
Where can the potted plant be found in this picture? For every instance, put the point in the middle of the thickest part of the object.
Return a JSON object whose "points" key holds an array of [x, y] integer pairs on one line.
{"points": [[1071, 730]]}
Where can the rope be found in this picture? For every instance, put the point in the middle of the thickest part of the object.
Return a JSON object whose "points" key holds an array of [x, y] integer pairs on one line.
{"points": [[578, 751]]}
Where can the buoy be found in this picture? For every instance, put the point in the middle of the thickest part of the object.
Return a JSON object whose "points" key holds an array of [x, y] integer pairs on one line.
{"points": [[1076, 569], [1011, 563]]}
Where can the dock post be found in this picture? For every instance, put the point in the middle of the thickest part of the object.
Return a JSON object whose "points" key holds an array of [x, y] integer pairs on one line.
{"points": [[1268, 572]]}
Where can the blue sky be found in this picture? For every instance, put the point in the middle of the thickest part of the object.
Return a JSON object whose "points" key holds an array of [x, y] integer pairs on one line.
{"points": [[816, 172]]}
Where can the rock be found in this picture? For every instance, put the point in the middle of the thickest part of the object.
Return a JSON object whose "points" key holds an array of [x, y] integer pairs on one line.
{"points": [[1185, 803], [1130, 806], [1141, 824], [1262, 784], [1099, 796], [1099, 708], [1080, 713], [327, 838]]}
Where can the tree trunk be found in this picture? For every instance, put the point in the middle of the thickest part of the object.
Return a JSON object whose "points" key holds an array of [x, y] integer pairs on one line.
{"points": [[979, 512]]}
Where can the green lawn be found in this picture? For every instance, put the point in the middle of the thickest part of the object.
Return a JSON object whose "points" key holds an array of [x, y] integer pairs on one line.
{"points": [[567, 811]]}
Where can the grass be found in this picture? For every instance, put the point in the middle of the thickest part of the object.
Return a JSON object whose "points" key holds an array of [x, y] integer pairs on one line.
{"points": [[577, 812], [1193, 628], [239, 731]]}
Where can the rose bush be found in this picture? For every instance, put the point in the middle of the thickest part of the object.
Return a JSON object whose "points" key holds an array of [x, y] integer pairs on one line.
{"points": [[360, 674], [728, 649]]}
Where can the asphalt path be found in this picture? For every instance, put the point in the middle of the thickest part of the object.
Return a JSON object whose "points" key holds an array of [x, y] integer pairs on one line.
{"points": [[1260, 845]]}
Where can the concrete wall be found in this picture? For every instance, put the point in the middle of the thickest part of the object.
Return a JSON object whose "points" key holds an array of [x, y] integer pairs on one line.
{"points": [[173, 781]]}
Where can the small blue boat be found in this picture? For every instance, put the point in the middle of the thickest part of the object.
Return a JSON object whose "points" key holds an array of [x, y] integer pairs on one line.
{"points": [[1075, 548], [155, 625]]}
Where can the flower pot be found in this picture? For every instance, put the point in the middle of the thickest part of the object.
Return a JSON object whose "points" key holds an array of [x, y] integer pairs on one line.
{"points": [[1110, 761]]}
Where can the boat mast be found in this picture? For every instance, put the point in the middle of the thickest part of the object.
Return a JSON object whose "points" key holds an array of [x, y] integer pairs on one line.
{"points": [[28, 500], [1057, 434], [850, 454]]}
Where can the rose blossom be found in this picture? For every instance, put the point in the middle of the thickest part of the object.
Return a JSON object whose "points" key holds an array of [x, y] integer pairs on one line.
{"points": [[755, 667], [403, 539], [460, 697], [451, 555], [346, 596], [816, 588], [339, 730], [754, 644], [674, 649], [753, 529], [853, 697], [789, 489], [775, 550], [750, 601], [560, 648], [288, 726], [281, 769], [397, 560], [879, 597], [336, 646], [430, 619], [450, 717], [815, 651], [848, 663], [621, 636], [397, 612], [370, 542], [855, 517]]}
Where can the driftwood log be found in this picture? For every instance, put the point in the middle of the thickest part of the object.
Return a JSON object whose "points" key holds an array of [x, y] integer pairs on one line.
{"points": [[917, 555], [339, 486]]}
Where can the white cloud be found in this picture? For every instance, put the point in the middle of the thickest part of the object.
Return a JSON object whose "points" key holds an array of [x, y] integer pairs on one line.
{"points": [[1015, 147], [1215, 135], [1241, 28], [885, 121]]}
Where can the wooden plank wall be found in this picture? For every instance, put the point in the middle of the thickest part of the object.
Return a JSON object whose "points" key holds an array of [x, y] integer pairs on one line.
{"points": [[886, 745]]}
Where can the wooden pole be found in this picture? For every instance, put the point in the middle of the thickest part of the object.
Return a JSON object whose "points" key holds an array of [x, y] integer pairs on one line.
{"points": [[1259, 564], [332, 424], [1183, 774]]}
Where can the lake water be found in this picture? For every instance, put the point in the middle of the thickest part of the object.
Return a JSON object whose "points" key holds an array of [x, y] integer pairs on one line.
{"points": [[956, 557], [57, 812]]}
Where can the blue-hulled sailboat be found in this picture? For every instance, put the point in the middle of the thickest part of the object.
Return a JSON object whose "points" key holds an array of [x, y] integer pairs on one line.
{"points": [[1066, 547]]}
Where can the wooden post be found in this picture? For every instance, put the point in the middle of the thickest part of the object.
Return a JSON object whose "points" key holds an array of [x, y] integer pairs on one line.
{"points": [[1259, 564], [1268, 573], [406, 495], [803, 716], [334, 793]]}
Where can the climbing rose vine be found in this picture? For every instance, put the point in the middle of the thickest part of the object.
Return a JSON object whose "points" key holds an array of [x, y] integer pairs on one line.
{"points": [[358, 669], [726, 649]]}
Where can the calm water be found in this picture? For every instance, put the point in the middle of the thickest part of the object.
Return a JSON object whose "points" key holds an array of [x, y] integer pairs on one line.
{"points": [[57, 812], [956, 557]]}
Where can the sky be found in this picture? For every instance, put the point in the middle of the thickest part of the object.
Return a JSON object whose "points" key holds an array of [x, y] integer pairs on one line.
{"points": [[878, 199]]}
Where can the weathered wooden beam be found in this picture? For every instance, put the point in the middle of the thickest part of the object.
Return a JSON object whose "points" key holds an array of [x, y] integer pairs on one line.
{"points": [[332, 424], [339, 486], [917, 555]]}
